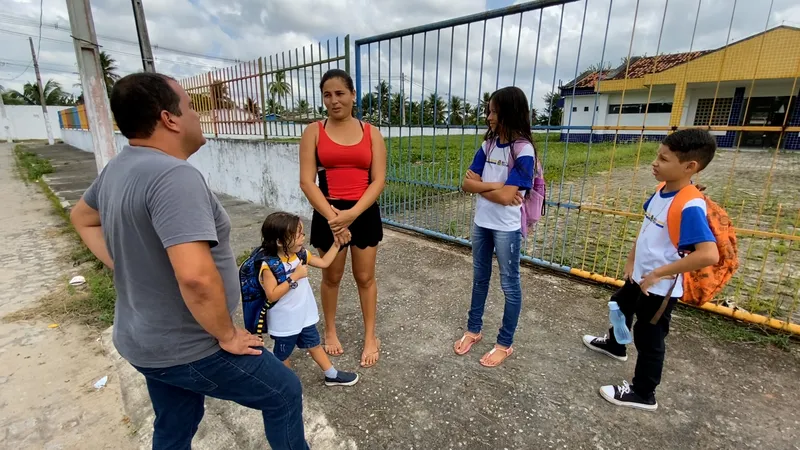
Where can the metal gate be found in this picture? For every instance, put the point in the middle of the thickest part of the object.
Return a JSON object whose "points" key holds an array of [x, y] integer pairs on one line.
{"points": [[597, 126]]}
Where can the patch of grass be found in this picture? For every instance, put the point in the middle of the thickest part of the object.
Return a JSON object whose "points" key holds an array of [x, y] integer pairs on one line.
{"points": [[729, 330], [91, 303], [30, 165]]}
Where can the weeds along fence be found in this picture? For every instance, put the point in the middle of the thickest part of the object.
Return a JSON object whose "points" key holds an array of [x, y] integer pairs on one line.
{"points": [[596, 124]]}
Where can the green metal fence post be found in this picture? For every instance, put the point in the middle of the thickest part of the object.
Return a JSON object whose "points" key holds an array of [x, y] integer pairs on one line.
{"points": [[347, 53]]}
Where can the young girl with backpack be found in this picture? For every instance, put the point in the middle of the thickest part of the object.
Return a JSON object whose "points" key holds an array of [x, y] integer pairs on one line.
{"points": [[502, 173], [292, 317]]}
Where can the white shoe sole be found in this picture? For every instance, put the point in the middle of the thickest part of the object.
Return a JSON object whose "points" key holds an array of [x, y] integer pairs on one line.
{"points": [[607, 353], [612, 400], [328, 383]]}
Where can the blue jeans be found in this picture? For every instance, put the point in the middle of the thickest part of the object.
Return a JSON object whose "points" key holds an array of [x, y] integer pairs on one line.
{"points": [[506, 244], [258, 382]]}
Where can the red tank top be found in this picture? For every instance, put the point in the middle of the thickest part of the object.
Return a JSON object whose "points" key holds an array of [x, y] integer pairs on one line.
{"points": [[344, 169]]}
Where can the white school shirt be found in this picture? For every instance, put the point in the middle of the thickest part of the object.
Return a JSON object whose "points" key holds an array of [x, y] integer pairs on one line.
{"points": [[493, 169], [295, 310], [654, 248]]}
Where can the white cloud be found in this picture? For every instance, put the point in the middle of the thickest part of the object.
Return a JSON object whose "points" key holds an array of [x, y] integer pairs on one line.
{"points": [[247, 29]]}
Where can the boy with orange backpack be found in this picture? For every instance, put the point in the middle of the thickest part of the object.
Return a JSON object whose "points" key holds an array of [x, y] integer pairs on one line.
{"points": [[683, 233]]}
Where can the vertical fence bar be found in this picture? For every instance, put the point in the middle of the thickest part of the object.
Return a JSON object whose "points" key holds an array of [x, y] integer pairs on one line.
{"points": [[337, 52], [347, 53], [369, 79], [263, 87], [358, 81], [314, 84], [566, 143]]}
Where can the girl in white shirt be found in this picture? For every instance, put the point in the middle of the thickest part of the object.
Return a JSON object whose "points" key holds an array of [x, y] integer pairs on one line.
{"points": [[292, 320], [497, 227]]}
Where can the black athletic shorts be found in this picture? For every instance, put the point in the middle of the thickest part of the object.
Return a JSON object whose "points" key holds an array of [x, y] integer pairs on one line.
{"points": [[366, 230]]}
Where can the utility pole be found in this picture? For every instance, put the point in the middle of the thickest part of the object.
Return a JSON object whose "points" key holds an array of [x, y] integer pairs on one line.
{"points": [[95, 96], [42, 99], [144, 39], [4, 118]]}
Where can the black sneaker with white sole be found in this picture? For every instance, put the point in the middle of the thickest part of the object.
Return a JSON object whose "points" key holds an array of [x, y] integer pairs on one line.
{"points": [[601, 345], [624, 396], [342, 379]]}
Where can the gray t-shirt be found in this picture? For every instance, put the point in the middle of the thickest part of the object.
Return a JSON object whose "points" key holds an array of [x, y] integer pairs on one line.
{"points": [[149, 201]]}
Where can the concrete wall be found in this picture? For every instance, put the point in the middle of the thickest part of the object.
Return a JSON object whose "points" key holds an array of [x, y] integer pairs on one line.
{"points": [[25, 122], [262, 172]]}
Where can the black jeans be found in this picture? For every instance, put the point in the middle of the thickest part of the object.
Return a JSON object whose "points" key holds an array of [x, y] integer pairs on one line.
{"points": [[648, 338]]}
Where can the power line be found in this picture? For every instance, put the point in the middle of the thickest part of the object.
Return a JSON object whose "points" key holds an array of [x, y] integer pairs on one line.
{"points": [[23, 21], [203, 65]]}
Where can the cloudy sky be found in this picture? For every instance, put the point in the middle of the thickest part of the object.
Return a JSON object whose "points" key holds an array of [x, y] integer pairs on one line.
{"points": [[191, 37]]}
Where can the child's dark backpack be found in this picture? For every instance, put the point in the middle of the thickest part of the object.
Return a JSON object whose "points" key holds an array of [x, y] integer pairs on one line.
{"points": [[254, 299]]}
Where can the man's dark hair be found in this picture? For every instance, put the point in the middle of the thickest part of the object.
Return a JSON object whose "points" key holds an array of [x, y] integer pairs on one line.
{"points": [[693, 144], [137, 101]]}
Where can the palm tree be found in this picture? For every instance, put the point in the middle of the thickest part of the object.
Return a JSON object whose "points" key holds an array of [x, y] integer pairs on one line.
{"points": [[9, 99], [435, 107], [53, 95], [274, 106], [321, 111], [109, 66], [456, 115], [220, 97], [279, 87], [252, 107], [303, 107], [483, 108]]}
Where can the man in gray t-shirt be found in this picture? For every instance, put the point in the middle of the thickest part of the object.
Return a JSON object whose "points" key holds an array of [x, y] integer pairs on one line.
{"points": [[151, 217], [149, 201]]}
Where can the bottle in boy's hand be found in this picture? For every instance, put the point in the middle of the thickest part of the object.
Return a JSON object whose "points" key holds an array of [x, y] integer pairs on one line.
{"points": [[621, 332]]}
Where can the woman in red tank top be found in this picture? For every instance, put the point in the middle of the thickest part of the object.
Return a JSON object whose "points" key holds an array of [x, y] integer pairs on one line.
{"points": [[349, 157]]}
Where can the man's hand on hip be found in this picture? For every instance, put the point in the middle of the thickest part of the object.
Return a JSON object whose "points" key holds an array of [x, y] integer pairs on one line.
{"points": [[242, 343]]}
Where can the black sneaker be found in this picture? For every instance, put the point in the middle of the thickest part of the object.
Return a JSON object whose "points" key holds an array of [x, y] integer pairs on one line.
{"points": [[342, 379], [601, 345], [624, 396]]}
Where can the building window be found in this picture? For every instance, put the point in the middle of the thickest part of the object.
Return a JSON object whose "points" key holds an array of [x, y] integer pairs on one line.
{"points": [[641, 108], [574, 109], [585, 108], [722, 110]]}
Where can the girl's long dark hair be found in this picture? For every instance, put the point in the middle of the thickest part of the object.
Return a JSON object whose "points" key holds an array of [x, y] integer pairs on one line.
{"points": [[278, 231], [513, 115]]}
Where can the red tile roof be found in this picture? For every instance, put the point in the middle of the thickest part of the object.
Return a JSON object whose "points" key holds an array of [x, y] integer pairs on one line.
{"points": [[640, 67]]}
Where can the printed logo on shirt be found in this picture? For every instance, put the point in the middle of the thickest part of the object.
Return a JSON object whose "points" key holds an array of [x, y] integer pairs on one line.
{"points": [[653, 219]]}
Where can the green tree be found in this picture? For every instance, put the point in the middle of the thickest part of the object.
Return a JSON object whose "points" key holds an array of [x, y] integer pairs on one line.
{"points": [[220, 95], [483, 108], [303, 107], [279, 88], [109, 66], [552, 113], [53, 95], [252, 107], [434, 109]]}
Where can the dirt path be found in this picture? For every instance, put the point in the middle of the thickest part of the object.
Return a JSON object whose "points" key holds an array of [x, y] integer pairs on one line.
{"points": [[47, 398]]}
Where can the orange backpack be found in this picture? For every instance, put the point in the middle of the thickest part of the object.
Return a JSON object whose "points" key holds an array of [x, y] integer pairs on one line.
{"points": [[700, 286]]}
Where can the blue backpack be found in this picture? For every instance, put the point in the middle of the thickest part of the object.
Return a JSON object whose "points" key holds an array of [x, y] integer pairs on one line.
{"points": [[254, 299]]}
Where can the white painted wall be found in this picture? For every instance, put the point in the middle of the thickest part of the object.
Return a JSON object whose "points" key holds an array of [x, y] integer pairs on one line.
{"points": [[26, 122], [263, 172], [582, 117]]}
